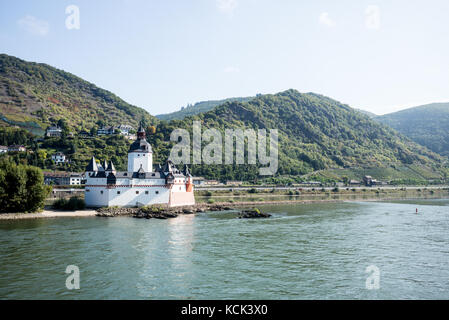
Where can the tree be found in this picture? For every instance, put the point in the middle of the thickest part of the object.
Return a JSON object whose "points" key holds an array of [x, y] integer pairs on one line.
{"points": [[22, 187], [151, 129]]}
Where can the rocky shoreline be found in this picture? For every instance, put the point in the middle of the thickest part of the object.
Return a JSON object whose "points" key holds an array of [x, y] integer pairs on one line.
{"points": [[165, 212]]}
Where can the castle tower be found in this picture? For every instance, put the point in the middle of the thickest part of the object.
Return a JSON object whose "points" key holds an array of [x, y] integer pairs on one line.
{"points": [[140, 153], [189, 179]]}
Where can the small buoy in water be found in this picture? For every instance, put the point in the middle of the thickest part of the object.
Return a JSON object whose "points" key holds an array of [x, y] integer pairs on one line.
{"points": [[416, 210]]}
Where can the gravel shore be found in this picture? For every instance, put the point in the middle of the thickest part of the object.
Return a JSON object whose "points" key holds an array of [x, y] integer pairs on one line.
{"points": [[48, 214]]}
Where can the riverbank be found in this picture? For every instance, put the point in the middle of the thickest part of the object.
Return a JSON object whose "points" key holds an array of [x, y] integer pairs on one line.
{"points": [[49, 214], [163, 212]]}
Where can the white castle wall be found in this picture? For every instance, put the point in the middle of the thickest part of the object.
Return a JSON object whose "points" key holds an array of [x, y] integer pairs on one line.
{"points": [[138, 196], [135, 159], [126, 193]]}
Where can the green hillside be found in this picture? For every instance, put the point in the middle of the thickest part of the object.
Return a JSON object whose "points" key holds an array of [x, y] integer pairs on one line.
{"points": [[320, 138], [199, 107], [34, 96], [427, 125], [316, 134]]}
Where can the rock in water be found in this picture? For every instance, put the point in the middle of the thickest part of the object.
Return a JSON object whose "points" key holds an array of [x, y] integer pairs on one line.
{"points": [[253, 213]]}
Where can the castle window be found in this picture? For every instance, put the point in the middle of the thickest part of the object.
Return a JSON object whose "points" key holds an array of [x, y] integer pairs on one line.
{"points": [[87, 190], [101, 191], [125, 174], [157, 192], [146, 192], [118, 192], [137, 192], [138, 155]]}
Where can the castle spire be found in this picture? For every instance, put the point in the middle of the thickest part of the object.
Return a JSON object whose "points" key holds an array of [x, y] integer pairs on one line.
{"points": [[92, 166], [141, 131]]}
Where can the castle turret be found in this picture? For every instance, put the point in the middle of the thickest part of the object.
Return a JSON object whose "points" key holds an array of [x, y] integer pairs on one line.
{"points": [[189, 179], [140, 153], [111, 167], [92, 167]]}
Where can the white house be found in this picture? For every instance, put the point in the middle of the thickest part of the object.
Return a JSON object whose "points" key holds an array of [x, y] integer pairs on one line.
{"points": [[76, 179], [124, 129], [17, 148], [140, 185], [53, 131], [59, 157], [3, 149]]}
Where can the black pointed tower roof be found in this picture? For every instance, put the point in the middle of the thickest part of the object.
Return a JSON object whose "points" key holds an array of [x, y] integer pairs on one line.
{"points": [[140, 169], [168, 166], [187, 171], [92, 166], [110, 166]]}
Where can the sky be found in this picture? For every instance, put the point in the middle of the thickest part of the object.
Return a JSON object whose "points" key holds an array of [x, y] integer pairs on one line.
{"points": [[379, 56]]}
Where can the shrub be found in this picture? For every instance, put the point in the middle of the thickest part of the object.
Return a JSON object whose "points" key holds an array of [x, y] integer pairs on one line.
{"points": [[73, 203], [252, 190], [210, 201]]}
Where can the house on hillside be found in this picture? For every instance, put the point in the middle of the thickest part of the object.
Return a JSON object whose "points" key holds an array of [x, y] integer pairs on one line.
{"points": [[369, 181], [84, 134], [17, 148], [124, 129], [53, 131], [3, 149], [59, 157], [106, 131]]}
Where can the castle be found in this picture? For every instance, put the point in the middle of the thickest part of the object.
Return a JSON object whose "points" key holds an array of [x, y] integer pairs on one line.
{"points": [[139, 185]]}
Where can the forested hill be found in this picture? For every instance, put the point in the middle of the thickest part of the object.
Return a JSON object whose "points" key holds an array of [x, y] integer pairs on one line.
{"points": [[34, 96], [318, 134], [199, 107], [427, 125]]}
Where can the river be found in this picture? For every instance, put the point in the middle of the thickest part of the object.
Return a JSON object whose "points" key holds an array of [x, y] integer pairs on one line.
{"points": [[313, 251]]}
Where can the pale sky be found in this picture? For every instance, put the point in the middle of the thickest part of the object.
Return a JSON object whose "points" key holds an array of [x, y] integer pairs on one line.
{"points": [[379, 56]]}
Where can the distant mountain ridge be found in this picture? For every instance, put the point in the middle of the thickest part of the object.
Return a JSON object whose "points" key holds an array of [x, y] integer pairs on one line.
{"points": [[199, 107], [35, 95], [427, 125]]}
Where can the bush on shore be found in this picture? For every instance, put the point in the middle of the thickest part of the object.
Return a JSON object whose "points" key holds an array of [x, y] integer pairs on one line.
{"points": [[73, 203]]}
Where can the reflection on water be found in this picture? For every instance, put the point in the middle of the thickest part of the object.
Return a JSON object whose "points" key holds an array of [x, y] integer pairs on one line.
{"points": [[302, 252]]}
